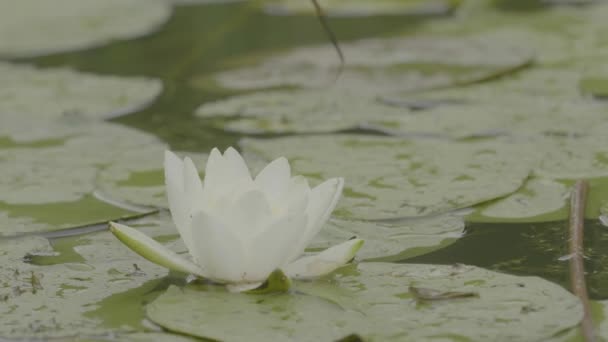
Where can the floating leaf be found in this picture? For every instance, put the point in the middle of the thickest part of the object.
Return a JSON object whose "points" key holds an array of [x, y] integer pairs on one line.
{"points": [[71, 284], [50, 170], [372, 300], [32, 28], [351, 8], [390, 177], [64, 93], [394, 240], [538, 200], [380, 66]]}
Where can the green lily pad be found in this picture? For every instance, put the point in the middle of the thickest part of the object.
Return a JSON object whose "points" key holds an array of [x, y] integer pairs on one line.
{"points": [[391, 177], [350, 8], [33, 28], [61, 291], [61, 92], [393, 240], [52, 172], [300, 111], [372, 300], [452, 114], [537, 201], [380, 66]]}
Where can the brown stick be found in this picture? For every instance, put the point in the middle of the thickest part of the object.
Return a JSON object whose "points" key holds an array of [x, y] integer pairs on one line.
{"points": [[578, 201], [332, 37]]}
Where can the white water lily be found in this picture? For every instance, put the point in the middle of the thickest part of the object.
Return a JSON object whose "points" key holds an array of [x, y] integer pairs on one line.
{"points": [[237, 229]]}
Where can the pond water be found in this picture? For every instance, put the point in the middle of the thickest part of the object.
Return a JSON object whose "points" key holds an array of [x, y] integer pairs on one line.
{"points": [[459, 126]]}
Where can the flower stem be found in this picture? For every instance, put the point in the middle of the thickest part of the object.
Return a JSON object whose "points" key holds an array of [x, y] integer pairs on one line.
{"points": [[578, 286]]}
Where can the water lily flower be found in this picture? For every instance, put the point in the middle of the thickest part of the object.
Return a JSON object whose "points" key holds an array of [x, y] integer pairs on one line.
{"points": [[239, 229]]}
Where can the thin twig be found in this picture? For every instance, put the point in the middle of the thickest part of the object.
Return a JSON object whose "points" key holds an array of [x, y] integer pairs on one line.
{"points": [[577, 268], [330, 33]]}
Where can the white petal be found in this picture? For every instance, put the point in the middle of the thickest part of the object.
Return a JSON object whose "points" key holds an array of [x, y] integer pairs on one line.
{"points": [[214, 175], [178, 203], [325, 262], [298, 195], [218, 249], [248, 215], [271, 248], [274, 180], [322, 202], [235, 167], [152, 250]]}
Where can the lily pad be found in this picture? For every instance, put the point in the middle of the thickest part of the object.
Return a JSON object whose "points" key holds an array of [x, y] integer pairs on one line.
{"points": [[61, 92], [391, 177], [539, 200], [380, 66], [300, 111], [350, 8], [33, 28], [372, 300], [394, 240], [451, 114], [49, 178], [59, 292]]}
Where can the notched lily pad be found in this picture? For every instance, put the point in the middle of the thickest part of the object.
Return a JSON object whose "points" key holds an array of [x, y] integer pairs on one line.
{"points": [[381, 66], [372, 300], [60, 295], [391, 177], [32, 28], [538, 200], [354, 8], [52, 93]]}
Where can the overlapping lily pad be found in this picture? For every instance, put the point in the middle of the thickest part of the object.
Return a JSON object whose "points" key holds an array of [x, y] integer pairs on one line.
{"points": [[32, 28], [363, 7], [61, 92], [61, 295], [378, 66], [391, 177], [51, 171], [451, 114], [376, 302]]}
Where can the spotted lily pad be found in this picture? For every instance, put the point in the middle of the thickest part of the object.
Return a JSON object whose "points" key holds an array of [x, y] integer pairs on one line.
{"points": [[61, 293], [52, 170], [394, 240], [538, 200], [391, 177], [363, 7], [301, 111], [32, 28], [372, 300], [380, 66], [451, 114], [61, 92]]}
